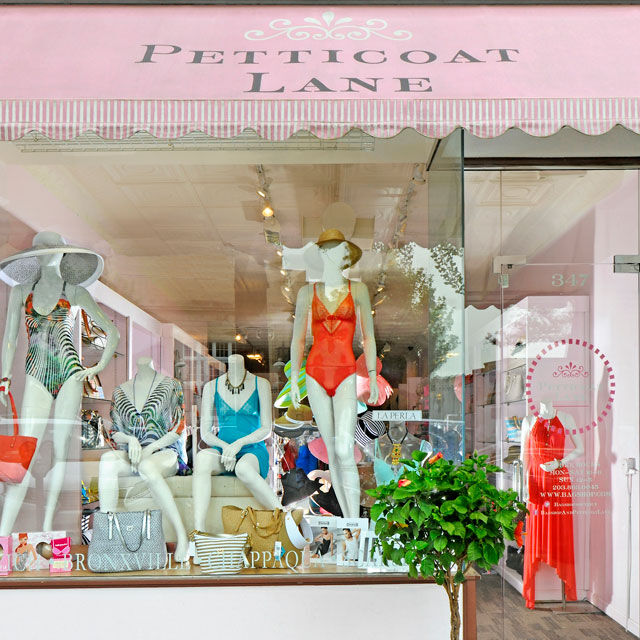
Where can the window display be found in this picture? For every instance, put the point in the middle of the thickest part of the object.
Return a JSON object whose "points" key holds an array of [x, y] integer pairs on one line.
{"points": [[223, 395], [260, 414]]}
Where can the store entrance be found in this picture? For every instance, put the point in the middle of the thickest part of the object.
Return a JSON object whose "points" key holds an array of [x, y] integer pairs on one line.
{"points": [[557, 392]]}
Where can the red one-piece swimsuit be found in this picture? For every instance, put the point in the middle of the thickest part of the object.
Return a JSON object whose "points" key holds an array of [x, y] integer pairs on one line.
{"points": [[550, 520], [331, 358]]}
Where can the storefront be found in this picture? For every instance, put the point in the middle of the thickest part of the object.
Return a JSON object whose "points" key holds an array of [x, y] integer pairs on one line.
{"points": [[444, 202]]}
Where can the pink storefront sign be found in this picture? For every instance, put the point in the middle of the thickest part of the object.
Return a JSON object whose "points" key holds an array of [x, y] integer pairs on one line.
{"points": [[174, 69]]}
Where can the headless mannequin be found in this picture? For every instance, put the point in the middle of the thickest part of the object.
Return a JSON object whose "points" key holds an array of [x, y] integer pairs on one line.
{"points": [[397, 433], [547, 412], [336, 415], [154, 462], [210, 462], [37, 400]]}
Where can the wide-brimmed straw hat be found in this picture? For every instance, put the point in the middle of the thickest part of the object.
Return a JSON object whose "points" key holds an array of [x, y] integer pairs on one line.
{"points": [[335, 235], [78, 266]]}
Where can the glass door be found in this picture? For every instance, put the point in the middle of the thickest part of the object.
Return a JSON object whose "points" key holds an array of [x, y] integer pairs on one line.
{"points": [[567, 386]]}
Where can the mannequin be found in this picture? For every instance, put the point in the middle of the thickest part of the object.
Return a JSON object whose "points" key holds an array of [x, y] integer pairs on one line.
{"points": [[54, 375], [331, 370], [248, 409], [147, 413], [549, 496]]}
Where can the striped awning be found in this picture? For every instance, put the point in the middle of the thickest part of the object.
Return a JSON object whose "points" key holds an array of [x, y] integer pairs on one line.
{"points": [[279, 119], [220, 70]]}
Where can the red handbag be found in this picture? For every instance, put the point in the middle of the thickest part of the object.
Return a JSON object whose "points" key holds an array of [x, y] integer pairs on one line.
{"points": [[16, 451]]}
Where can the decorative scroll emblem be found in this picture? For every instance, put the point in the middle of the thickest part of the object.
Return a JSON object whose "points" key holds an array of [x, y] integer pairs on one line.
{"points": [[328, 28], [570, 371]]}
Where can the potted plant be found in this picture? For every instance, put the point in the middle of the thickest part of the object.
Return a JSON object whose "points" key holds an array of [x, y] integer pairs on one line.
{"points": [[439, 517]]}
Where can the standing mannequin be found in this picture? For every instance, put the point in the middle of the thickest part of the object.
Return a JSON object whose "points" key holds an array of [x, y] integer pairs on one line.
{"points": [[548, 487], [56, 274], [242, 402], [148, 418], [331, 366]]}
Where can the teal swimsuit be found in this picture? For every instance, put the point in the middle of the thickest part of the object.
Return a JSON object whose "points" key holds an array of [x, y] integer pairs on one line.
{"points": [[233, 425]]}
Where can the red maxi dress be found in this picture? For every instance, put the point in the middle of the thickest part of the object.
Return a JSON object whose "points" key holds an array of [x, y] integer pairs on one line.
{"points": [[550, 520]]}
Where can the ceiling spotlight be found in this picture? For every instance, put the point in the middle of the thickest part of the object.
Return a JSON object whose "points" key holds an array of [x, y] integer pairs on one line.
{"points": [[283, 272], [261, 193], [267, 211], [279, 253], [373, 312], [380, 288], [255, 356], [287, 288], [238, 337]]}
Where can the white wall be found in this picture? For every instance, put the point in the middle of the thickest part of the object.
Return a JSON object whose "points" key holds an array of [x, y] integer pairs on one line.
{"points": [[234, 613], [616, 329]]}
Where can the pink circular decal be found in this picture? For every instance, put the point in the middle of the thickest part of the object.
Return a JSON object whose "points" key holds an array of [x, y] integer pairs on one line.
{"points": [[572, 371]]}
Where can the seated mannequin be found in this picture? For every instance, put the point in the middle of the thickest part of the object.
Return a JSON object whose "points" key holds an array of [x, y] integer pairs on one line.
{"points": [[148, 417], [242, 403]]}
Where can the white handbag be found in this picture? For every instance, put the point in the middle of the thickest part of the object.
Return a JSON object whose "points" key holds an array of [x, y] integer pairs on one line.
{"points": [[513, 387], [221, 553]]}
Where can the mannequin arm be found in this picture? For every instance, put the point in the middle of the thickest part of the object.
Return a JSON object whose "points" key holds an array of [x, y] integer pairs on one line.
{"points": [[303, 305], [206, 417], [9, 341], [165, 441], [85, 301], [368, 338], [134, 450], [578, 445]]}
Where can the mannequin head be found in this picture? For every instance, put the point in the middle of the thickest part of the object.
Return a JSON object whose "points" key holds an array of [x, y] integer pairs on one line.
{"points": [[144, 362], [236, 361], [49, 238], [336, 254]]}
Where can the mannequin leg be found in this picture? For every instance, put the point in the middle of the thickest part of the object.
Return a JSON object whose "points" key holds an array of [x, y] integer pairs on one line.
{"points": [[345, 411], [112, 465], [248, 472], [153, 470], [206, 464], [34, 415], [65, 423], [322, 407]]}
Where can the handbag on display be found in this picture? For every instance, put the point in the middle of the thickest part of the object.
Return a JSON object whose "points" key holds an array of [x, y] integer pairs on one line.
{"points": [[221, 553], [16, 451], [514, 428], [275, 537], [92, 387], [128, 541], [92, 433], [513, 387], [92, 334]]}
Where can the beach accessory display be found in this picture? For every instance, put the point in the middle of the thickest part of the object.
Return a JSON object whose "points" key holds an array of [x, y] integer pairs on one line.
{"points": [[283, 401]]}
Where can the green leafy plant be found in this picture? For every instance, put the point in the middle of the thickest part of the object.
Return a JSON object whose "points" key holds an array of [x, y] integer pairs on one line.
{"points": [[439, 517]]}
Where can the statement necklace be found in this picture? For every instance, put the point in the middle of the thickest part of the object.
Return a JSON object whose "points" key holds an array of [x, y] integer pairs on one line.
{"points": [[396, 449], [135, 406], [235, 390]]}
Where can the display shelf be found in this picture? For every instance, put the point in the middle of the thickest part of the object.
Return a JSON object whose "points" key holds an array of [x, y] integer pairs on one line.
{"points": [[94, 351]]}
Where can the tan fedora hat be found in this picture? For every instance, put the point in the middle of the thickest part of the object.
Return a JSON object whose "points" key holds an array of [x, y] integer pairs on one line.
{"points": [[335, 235]]}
